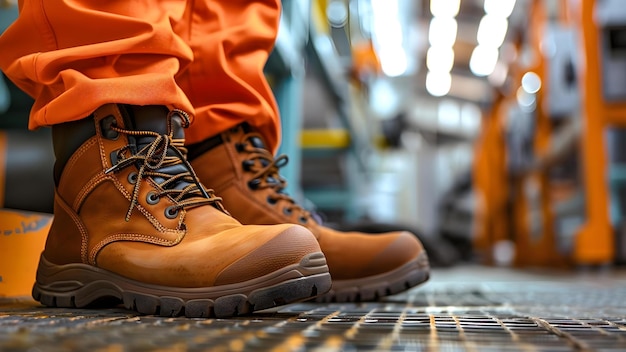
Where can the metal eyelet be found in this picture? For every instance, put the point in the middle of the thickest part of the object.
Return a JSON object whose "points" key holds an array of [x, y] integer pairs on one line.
{"points": [[271, 200], [303, 220], [171, 212], [105, 125], [287, 211], [132, 178], [247, 164], [116, 157], [152, 198], [254, 184]]}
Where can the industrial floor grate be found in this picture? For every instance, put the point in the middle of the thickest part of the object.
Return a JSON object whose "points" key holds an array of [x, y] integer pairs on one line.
{"points": [[520, 315]]}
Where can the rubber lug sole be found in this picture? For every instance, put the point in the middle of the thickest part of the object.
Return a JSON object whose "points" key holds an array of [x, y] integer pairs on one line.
{"points": [[373, 288], [81, 285]]}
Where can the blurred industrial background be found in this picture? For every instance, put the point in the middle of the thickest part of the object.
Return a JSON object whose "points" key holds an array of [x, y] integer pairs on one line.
{"points": [[491, 128]]}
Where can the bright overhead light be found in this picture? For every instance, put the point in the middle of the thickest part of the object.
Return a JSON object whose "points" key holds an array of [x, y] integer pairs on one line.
{"points": [[393, 61], [442, 31], [531, 82], [483, 60], [387, 28], [445, 8], [385, 9], [492, 30], [500, 8], [388, 37], [439, 59], [438, 83]]}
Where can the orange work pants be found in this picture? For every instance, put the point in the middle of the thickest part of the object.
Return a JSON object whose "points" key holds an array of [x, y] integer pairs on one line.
{"points": [[202, 56]]}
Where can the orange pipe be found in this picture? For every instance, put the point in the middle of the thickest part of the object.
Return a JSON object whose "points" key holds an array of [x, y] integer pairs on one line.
{"points": [[594, 243]]}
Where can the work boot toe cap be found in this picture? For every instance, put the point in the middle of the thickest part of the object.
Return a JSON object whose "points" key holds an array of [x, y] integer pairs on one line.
{"points": [[354, 255], [404, 248], [294, 246]]}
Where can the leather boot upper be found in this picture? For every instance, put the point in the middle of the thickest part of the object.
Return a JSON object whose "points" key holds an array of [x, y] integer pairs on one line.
{"points": [[242, 171], [127, 201]]}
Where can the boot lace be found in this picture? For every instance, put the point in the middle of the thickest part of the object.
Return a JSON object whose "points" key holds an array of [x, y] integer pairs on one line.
{"points": [[154, 159], [265, 169]]}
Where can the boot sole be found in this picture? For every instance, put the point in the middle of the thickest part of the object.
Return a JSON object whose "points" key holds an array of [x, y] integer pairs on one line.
{"points": [[82, 285], [373, 288]]}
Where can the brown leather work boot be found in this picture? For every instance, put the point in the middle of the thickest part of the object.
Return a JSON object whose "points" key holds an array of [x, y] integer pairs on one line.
{"points": [[133, 224], [363, 266]]}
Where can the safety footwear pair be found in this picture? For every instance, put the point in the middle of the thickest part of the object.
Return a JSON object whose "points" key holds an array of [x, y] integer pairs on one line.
{"points": [[133, 225], [363, 266]]}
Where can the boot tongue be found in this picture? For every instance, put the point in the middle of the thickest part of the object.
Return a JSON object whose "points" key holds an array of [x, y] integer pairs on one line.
{"points": [[256, 142], [154, 118]]}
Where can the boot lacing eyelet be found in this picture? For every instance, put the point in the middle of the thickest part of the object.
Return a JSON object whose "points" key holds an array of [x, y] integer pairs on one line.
{"points": [[287, 211], [132, 178], [106, 124], [254, 184], [271, 200], [152, 198], [171, 212], [247, 165]]}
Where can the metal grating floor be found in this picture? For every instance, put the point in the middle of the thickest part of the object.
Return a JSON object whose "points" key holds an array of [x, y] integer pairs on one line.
{"points": [[461, 309]]}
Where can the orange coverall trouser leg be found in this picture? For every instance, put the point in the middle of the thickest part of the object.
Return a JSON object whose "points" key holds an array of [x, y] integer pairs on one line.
{"points": [[205, 57]]}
